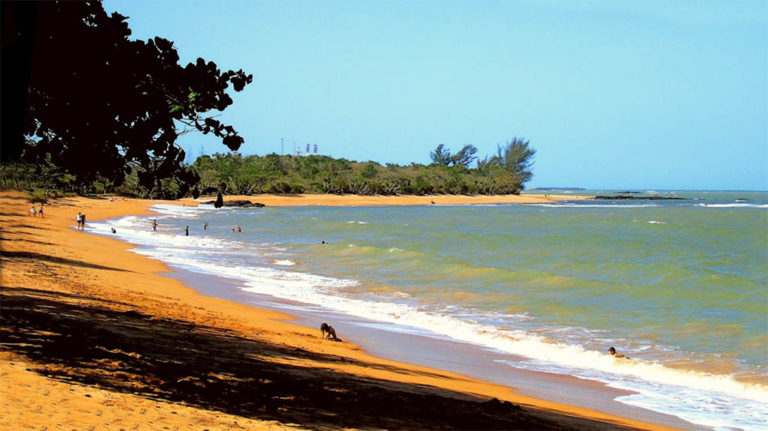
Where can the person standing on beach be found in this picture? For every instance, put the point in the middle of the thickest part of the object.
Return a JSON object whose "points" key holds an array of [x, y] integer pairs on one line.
{"points": [[41, 210], [186, 231], [154, 224], [79, 220], [82, 218], [33, 211]]}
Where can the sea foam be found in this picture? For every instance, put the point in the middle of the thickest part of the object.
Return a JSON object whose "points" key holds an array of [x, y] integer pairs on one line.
{"points": [[733, 205], [695, 396]]}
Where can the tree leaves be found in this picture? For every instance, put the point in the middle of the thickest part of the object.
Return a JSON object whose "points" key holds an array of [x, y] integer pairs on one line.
{"points": [[442, 156], [95, 95], [273, 173]]}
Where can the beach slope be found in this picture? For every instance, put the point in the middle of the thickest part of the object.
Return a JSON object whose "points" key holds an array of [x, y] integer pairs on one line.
{"points": [[94, 336]]}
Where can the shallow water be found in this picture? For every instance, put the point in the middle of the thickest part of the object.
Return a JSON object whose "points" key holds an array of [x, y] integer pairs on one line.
{"points": [[680, 286]]}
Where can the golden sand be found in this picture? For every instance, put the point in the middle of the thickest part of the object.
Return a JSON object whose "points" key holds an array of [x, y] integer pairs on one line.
{"points": [[96, 337], [357, 200]]}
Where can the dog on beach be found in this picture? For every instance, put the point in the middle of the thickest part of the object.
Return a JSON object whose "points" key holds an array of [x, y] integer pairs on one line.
{"points": [[328, 333]]}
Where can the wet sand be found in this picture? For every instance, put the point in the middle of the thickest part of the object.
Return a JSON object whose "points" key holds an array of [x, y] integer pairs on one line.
{"points": [[96, 336], [414, 346]]}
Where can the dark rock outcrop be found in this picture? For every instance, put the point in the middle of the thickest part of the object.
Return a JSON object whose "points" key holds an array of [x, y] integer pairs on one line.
{"points": [[243, 204], [236, 203]]}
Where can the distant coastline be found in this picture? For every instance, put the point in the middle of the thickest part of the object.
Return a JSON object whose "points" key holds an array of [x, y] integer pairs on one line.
{"points": [[559, 189]]}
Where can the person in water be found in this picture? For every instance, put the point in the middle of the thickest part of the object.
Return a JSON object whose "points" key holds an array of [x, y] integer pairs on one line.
{"points": [[186, 231], [154, 224], [616, 354], [205, 226]]}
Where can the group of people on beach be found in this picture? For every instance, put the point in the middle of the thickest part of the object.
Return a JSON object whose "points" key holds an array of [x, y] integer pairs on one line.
{"points": [[34, 212], [186, 228]]}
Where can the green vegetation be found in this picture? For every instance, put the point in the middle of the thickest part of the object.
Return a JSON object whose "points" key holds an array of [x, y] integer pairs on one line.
{"points": [[101, 108], [503, 173]]}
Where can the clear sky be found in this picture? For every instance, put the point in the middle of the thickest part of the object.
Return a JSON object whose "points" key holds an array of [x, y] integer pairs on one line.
{"points": [[612, 94]]}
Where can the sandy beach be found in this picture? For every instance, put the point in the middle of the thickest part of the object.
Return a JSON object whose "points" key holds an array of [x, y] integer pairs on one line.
{"points": [[97, 337], [356, 200]]}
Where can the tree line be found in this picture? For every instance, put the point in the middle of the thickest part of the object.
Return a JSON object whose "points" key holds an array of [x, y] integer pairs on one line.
{"points": [[503, 173], [506, 172]]}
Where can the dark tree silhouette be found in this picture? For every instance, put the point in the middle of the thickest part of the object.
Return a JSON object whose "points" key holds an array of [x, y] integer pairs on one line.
{"points": [[99, 104], [441, 156], [517, 157], [465, 156]]}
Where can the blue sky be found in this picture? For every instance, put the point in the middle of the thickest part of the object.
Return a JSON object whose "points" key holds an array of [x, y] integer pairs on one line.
{"points": [[612, 94]]}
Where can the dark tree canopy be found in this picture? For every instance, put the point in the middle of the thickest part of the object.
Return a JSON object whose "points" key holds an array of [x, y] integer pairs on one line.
{"points": [[465, 156], [442, 156], [99, 104], [515, 158]]}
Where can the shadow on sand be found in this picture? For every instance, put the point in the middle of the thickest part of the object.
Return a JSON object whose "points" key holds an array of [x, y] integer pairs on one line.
{"points": [[53, 259], [219, 370]]}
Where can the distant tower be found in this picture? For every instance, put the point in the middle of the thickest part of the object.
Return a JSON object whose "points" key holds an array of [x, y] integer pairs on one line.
{"points": [[307, 148], [315, 148]]}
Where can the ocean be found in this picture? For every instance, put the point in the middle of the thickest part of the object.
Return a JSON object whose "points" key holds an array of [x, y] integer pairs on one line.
{"points": [[680, 286]]}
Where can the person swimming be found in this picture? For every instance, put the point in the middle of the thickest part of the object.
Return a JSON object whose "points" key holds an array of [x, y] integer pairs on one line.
{"points": [[616, 354]]}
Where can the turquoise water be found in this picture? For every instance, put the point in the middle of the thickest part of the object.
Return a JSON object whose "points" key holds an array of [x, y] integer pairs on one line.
{"points": [[671, 274], [680, 286]]}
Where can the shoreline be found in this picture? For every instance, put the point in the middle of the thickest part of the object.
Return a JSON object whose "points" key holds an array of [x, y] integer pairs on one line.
{"points": [[101, 273], [385, 341], [358, 200]]}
